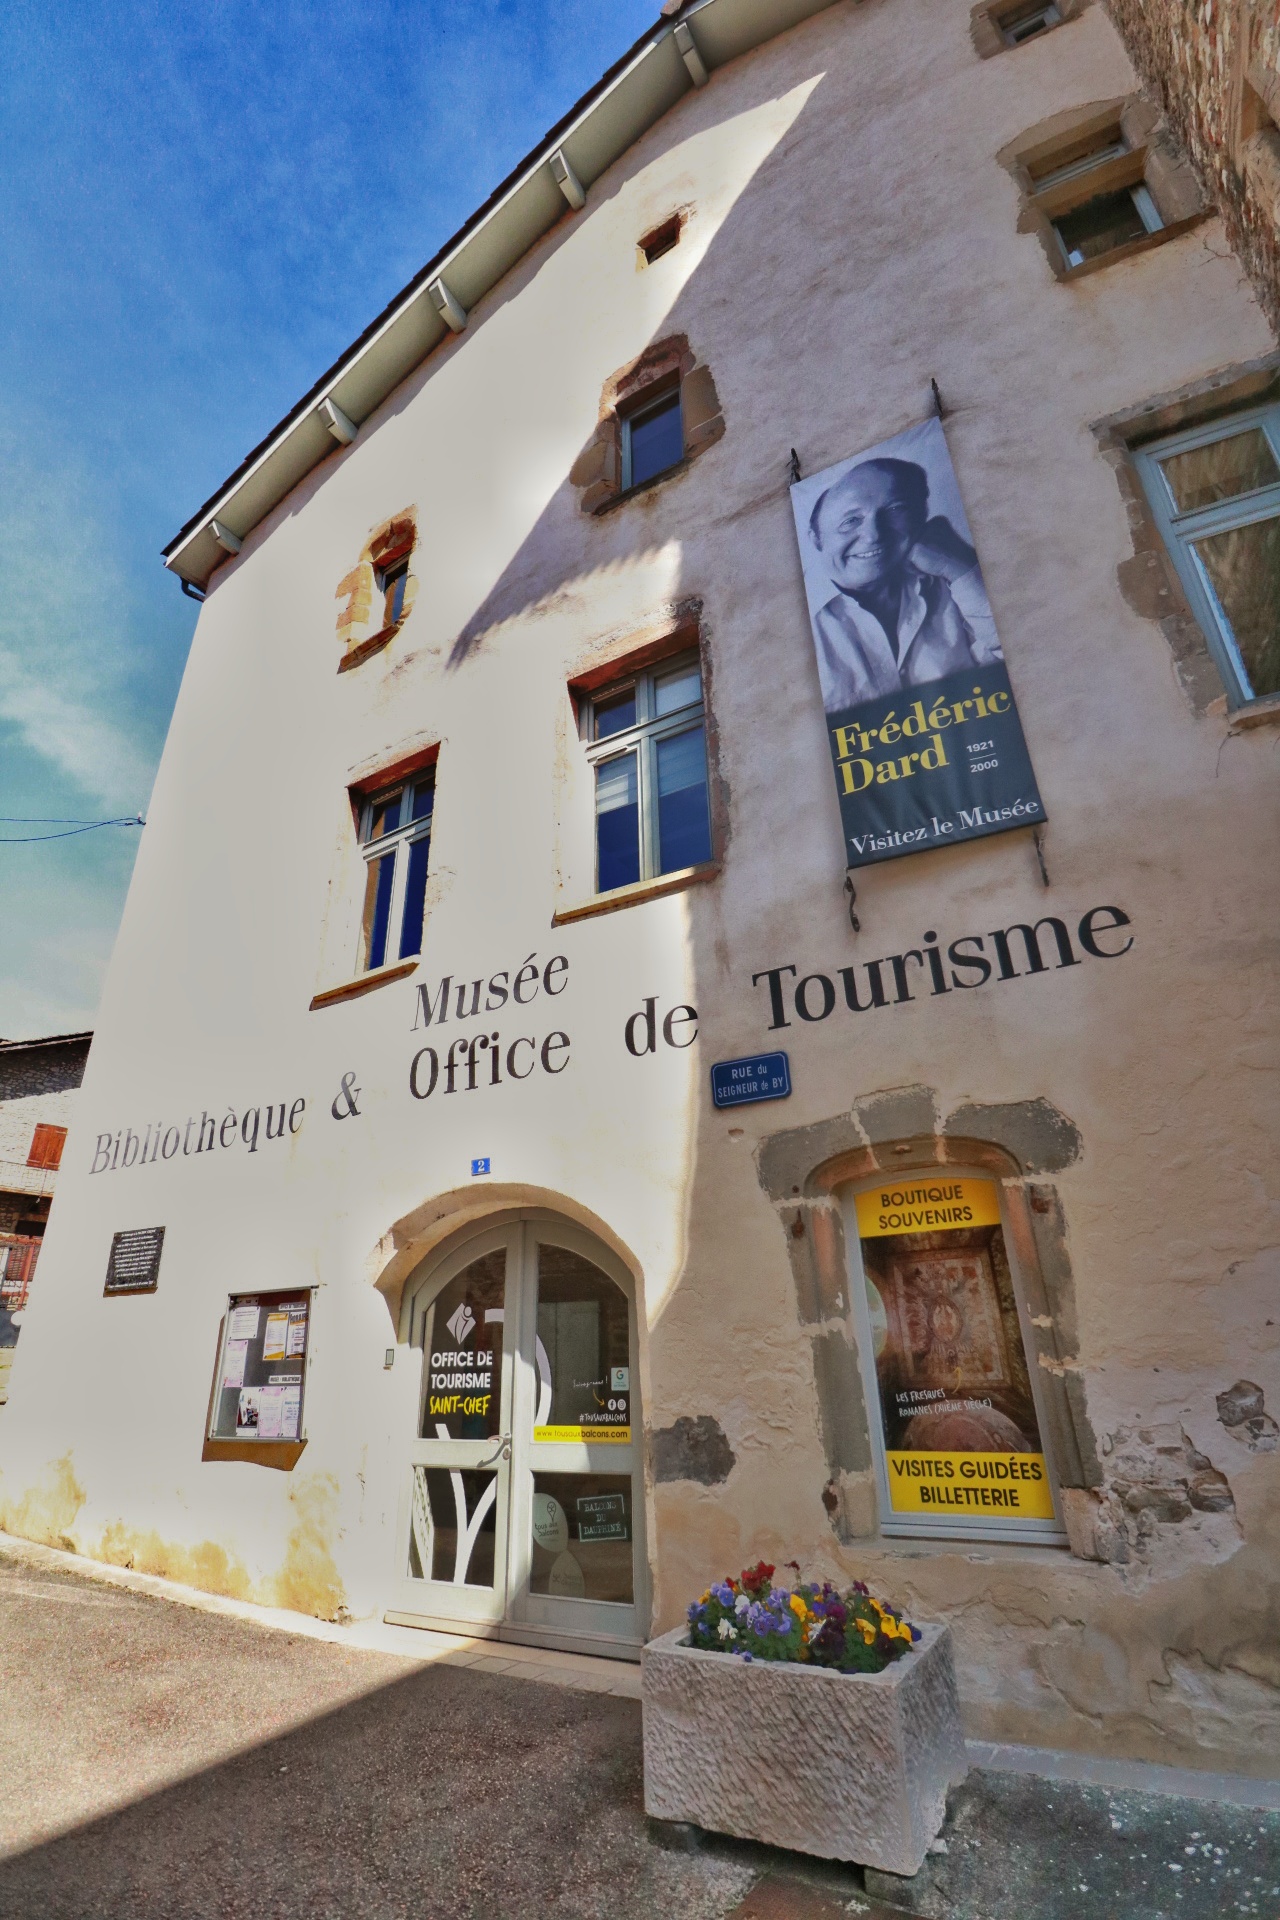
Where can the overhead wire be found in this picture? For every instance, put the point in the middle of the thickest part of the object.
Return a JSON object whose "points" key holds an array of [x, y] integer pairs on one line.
{"points": [[71, 827]]}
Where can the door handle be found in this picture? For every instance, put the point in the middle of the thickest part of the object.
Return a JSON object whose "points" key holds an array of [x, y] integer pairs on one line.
{"points": [[503, 1452]]}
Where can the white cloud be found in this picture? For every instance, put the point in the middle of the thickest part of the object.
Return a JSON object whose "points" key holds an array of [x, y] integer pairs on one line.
{"points": [[65, 653]]}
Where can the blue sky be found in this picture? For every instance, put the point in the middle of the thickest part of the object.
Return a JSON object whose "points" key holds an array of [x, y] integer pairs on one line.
{"points": [[203, 205]]}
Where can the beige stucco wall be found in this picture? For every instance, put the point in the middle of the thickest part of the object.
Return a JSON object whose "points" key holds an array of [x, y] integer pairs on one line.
{"points": [[850, 236]]}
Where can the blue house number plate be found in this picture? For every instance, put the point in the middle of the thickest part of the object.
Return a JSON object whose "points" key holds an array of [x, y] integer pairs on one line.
{"points": [[761, 1076]]}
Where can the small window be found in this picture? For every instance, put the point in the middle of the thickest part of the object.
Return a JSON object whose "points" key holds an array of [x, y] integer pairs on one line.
{"points": [[1109, 221], [1109, 186], [261, 1363], [652, 440], [392, 582], [1090, 225], [1025, 22], [646, 740], [661, 240], [1215, 493], [395, 831], [46, 1147]]}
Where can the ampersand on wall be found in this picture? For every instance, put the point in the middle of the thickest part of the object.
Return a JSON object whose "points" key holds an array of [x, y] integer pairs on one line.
{"points": [[345, 1100]]}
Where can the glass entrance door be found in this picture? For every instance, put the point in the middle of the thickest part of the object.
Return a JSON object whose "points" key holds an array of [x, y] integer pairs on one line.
{"points": [[525, 1503]]}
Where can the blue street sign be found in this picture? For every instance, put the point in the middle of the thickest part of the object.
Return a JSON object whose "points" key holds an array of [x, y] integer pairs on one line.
{"points": [[761, 1076], [479, 1166]]}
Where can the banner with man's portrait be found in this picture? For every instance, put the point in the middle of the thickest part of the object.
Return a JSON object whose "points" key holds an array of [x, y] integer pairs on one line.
{"points": [[925, 737]]}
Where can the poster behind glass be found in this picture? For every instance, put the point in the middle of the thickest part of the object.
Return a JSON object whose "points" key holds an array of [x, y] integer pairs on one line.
{"points": [[957, 1415], [258, 1393]]}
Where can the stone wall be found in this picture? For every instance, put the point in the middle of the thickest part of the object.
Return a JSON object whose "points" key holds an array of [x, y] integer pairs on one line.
{"points": [[1215, 65]]}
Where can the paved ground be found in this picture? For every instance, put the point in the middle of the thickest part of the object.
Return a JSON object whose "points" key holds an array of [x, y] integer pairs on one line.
{"points": [[163, 1763]]}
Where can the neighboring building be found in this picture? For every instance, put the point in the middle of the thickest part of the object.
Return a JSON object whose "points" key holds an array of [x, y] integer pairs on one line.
{"points": [[409, 1267], [1216, 71], [38, 1080]]}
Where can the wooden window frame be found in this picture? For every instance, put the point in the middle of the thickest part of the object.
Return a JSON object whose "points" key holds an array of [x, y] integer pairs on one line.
{"points": [[395, 844], [649, 401], [642, 739]]}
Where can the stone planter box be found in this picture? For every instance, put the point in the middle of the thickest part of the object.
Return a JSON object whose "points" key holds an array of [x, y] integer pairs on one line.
{"points": [[846, 1766]]}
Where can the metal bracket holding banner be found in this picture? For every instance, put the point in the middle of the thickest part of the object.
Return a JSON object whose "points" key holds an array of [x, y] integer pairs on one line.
{"points": [[761, 1076]]}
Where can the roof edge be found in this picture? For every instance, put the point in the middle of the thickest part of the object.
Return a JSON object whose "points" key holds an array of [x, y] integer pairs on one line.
{"points": [[198, 549]]}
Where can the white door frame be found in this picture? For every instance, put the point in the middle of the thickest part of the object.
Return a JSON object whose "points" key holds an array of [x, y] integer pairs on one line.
{"points": [[510, 1611]]}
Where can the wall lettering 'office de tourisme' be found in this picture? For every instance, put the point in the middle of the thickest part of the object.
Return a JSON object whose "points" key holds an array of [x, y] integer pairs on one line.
{"points": [[696, 984]]}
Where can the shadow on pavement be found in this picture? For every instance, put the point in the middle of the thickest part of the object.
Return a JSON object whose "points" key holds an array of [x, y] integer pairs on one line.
{"points": [[446, 1796]]}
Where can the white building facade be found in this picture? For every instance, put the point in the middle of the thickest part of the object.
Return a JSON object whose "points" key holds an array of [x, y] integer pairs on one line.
{"points": [[499, 808]]}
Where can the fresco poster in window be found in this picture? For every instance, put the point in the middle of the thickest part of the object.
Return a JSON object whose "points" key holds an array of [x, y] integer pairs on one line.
{"points": [[925, 738], [958, 1419]]}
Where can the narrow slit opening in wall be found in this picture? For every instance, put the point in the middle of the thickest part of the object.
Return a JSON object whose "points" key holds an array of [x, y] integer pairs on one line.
{"points": [[1024, 23], [661, 240]]}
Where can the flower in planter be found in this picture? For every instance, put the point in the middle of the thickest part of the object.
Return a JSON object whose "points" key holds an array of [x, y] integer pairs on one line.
{"points": [[749, 1617]]}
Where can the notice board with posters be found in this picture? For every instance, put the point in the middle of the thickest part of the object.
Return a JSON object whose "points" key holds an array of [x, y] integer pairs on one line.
{"points": [[925, 739], [258, 1387], [952, 1403]]}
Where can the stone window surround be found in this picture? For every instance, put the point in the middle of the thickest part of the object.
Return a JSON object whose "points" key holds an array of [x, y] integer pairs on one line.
{"points": [[1148, 579], [665, 364], [900, 1132], [684, 634], [1152, 160], [393, 540], [987, 19]]}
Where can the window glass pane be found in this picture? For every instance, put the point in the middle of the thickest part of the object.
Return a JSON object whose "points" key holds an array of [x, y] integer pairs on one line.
{"points": [[955, 1406], [384, 817], [259, 1393], [393, 585], [424, 799], [1244, 568], [1203, 475], [657, 440], [617, 823], [452, 1533], [377, 908], [1078, 158], [1100, 226], [676, 690], [582, 1536], [614, 713], [582, 1350], [415, 894], [684, 823], [1027, 22], [462, 1348]]}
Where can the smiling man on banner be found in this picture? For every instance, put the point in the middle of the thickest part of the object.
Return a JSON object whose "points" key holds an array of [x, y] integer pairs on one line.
{"points": [[910, 605]]}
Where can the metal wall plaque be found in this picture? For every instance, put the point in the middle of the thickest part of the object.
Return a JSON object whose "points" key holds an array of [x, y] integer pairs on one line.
{"points": [[761, 1076], [134, 1265]]}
